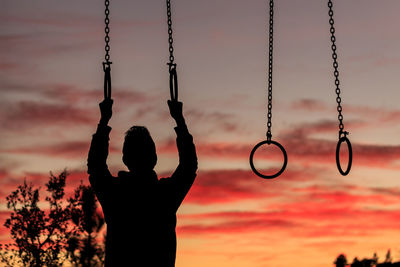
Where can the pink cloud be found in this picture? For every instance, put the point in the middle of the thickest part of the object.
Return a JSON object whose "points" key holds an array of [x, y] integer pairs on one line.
{"points": [[382, 115], [35, 114], [301, 148], [71, 149], [384, 61], [9, 181], [311, 105], [68, 93], [208, 121], [7, 66]]}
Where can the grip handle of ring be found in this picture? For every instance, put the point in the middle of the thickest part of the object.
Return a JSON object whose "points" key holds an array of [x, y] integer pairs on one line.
{"points": [[107, 79], [173, 82]]}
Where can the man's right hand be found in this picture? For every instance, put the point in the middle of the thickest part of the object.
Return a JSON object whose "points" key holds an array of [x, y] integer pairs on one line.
{"points": [[175, 108], [106, 110]]}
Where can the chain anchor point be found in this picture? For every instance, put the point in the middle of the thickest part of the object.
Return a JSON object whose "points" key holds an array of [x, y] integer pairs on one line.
{"points": [[269, 138], [343, 133], [107, 65], [171, 65]]}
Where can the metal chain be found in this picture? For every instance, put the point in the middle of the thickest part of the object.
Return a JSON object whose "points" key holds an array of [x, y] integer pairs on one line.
{"points": [[336, 70], [107, 31], [270, 61], [173, 74], [170, 39], [107, 62]]}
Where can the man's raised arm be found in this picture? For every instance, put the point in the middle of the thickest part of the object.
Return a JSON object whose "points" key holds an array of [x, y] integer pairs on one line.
{"points": [[100, 177], [184, 175]]}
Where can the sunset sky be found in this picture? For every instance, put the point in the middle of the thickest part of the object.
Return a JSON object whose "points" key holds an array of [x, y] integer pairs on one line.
{"points": [[51, 82]]}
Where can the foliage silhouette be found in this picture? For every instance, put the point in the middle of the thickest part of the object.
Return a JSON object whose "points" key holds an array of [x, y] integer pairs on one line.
{"points": [[356, 263], [341, 261], [388, 258], [46, 236], [368, 262], [83, 248]]}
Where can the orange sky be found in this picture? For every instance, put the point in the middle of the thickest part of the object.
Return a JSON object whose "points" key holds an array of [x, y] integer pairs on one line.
{"points": [[51, 83]]}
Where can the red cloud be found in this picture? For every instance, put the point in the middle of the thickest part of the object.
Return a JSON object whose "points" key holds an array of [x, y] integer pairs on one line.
{"points": [[72, 149], [208, 121], [312, 211], [9, 182], [35, 114], [318, 127], [316, 212], [300, 149], [319, 222], [4, 232], [223, 186], [5, 66], [72, 94], [237, 226]]}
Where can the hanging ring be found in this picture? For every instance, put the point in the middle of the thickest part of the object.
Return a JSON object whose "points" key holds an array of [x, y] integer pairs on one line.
{"points": [[343, 139], [173, 82], [284, 161], [107, 79]]}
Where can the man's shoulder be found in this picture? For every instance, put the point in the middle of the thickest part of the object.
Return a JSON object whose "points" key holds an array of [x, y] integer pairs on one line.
{"points": [[165, 181], [123, 174]]}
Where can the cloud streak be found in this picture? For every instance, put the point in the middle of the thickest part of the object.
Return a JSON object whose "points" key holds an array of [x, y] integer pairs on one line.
{"points": [[27, 114], [312, 212]]}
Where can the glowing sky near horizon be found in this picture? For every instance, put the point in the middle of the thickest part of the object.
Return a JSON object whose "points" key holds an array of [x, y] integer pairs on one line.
{"points": [[51, 82]]}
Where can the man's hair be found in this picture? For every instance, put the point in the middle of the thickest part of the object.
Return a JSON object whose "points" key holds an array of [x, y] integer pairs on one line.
{"points": [[137, 131], [139, 148]]}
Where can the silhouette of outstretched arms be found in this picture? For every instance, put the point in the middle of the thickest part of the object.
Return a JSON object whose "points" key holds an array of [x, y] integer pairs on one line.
{"points": [[184, 175], [99, 175]]}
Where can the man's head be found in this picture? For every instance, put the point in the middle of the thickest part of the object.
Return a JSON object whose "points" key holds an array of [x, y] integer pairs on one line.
{"points": [[139, 151]]}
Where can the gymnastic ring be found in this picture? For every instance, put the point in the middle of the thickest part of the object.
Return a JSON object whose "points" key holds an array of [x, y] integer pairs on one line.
{"points": [[341, 140], [173, 83], [284, 162], [107, 79]]}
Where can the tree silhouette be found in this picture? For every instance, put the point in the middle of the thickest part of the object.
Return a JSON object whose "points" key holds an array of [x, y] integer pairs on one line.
{"points": [[366, 262], [83, 248], [46, 236], [356, 263], [341, 261], [375, 258], [388, 258], [39, 237]]}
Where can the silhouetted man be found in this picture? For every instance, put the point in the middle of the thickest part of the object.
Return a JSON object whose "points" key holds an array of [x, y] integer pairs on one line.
{"points": [[139, 209]]}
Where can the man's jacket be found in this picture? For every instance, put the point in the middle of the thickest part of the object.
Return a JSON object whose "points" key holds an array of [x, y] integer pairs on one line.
{"points": [[140, 209]]}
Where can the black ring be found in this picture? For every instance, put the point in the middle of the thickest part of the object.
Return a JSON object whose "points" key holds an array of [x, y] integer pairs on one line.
{"points": [[107, 80], [284, 162], [341, 140], [173, 84]]}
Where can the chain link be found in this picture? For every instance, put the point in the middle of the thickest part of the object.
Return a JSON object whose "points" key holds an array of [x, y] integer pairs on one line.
{"points": [[336, 70], [270, 61], [107, 31], [173, 74], [107, 62], [170, 39]]}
